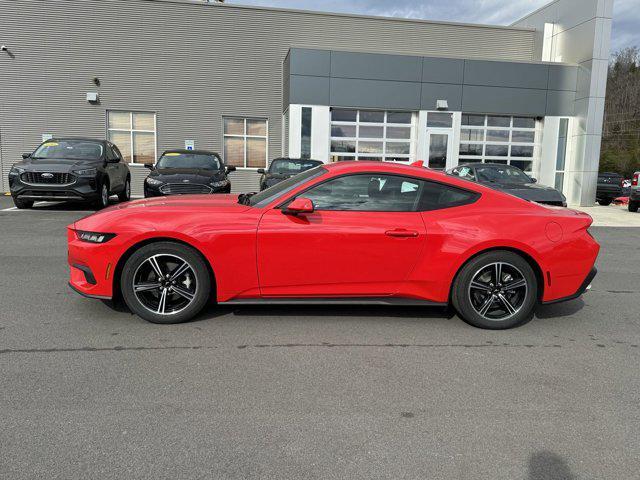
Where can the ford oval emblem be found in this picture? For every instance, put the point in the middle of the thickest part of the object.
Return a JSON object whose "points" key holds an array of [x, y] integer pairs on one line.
{"points": [[185, 181], [46, 175]]}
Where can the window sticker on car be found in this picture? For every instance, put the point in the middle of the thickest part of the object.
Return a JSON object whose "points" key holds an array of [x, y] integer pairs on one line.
{"points": [[172, 154], [51, 144], [464, 171]]}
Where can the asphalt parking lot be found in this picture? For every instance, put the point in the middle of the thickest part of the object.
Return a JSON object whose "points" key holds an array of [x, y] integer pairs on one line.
{"points": [[87, 391]]}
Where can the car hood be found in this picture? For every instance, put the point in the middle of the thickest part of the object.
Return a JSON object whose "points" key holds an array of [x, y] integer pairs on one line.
{"points": [[57, 164], [529, 191], [192, 175]]}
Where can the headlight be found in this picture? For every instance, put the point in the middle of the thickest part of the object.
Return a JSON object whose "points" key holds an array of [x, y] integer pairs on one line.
{"points": [[16, 170], [94, 237], [221, 183], [153, 181], [86, 171]]}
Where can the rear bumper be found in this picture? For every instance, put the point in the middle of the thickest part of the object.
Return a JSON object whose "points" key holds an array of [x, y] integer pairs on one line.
{"points": [[583, 288], [609, 192]]}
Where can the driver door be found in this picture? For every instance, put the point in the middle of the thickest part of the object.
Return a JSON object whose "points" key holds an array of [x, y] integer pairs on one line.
{"points": [[363, 239]]}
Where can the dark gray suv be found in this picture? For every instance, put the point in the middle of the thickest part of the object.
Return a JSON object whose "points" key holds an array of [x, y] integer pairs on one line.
{"points": [[70, 169]]}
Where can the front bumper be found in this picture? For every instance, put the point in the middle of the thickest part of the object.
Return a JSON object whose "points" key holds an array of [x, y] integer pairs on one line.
{"points": [[83, 189], [154, 191]]}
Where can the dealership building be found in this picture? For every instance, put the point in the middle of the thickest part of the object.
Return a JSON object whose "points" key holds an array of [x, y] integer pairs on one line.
{"points": [[255, 84]]}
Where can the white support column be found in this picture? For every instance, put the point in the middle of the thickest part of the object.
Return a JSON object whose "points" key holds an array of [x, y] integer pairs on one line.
{"points": [[546, 168], [422, 150], [320, 132], [295, 124]]}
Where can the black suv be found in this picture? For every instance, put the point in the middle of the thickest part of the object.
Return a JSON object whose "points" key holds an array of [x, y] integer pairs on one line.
{"points": [[283, 168], [609, 187], [180, 172], [70, 169]]}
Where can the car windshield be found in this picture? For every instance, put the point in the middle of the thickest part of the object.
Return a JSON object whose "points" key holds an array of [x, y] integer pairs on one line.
{"points": [[70, 149], [189, 160], [502, 174], [268, 195], [288, 166]]}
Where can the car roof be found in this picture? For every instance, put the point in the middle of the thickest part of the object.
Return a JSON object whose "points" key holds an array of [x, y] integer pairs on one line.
{"points": [[391, 168], [186, 151], [57, 139], [300, 159]]}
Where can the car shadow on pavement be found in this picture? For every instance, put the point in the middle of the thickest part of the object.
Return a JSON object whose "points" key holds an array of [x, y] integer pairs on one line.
{"points": [[557, 310], [545, 465], [64, 206]]}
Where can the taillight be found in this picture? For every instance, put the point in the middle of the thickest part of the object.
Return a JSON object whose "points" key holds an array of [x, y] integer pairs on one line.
{"points": [[634, 182]]}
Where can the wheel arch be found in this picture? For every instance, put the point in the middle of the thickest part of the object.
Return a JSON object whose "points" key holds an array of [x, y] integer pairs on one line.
{"points": [[117, 272], [535, 266]]}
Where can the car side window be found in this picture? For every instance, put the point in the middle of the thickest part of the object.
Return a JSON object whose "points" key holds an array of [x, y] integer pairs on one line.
{"points": [[436, 196], [117, 153], [367, 193], [111, 154]]}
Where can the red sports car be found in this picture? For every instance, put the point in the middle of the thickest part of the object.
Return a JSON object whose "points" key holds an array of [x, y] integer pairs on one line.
{"points": [[352, 232]]}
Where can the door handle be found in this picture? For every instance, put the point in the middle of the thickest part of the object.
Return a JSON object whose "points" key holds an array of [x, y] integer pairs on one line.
{"points": [[401, 233]]}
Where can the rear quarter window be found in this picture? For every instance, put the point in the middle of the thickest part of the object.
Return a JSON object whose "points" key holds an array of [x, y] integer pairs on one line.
{"points": [[437, 196]]}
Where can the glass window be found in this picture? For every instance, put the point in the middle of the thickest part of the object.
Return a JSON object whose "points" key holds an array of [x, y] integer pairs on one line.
{"points": [[369, 116], [562, 144], [367, 192], [134, 133], [473, 120], [520, 136], [438, 146], [439, 120], [497, 151], [245, 142], [471, 149], [521, 151], [436, 196], [472, 135], [497, 135], [371, 135], [559, 182], [70, 149], [498, 121], [305, 133], [524, 122]]}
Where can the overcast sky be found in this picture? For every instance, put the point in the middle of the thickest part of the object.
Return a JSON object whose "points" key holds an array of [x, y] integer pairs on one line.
{"points": [[626, 16]]}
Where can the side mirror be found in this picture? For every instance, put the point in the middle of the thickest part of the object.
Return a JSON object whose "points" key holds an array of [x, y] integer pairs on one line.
{"points": [[26, 155], [231, 168], [262, 171], [534, 180], [299, 206], [149, 166]]}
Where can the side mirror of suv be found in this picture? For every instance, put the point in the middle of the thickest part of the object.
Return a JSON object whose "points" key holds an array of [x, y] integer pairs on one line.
{"points": [[231, 168], [149, 166], [26, 155], [262, 171]]}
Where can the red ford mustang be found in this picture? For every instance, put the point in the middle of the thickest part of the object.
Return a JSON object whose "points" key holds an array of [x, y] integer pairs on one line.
{"points": [[352, 232]]}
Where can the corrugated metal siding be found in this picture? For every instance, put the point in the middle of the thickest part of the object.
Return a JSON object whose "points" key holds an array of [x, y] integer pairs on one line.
{"points": [[190, 63]]}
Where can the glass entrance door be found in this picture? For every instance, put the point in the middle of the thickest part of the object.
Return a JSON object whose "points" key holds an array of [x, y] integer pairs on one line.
{"points": [[439, 144]]}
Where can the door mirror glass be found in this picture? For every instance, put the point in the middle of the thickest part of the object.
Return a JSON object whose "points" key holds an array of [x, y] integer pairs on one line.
{"points": [[149, 166], [534, 180], [262, 170], [298, 206], [26, 155], [231, 168]]}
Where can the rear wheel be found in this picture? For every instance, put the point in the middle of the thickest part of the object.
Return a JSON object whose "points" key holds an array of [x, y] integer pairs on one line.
{"points": [[165, 283], [496, 290], [125, 195], [605, 201], [21, 203], [633, 206]]}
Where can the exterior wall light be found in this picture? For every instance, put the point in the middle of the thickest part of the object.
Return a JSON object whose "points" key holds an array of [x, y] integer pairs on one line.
{"points": [[442, 105], [93, 97]]}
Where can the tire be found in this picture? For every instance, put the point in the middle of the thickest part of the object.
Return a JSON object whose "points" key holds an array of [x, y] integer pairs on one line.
{"points": [[469, 300], [194, 283], [125, 195], [633, 206], [22, 204], [103, 200], [605, 202]]}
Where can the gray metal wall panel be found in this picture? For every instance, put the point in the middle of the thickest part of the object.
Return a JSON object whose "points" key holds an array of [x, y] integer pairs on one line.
{"points": [[374, 94], [560, 103], [219, 60], [563, 77], [442, 70], [506, 74], [309, 90], [432, 92], [374, 66], [523, 101], [304, 61]]}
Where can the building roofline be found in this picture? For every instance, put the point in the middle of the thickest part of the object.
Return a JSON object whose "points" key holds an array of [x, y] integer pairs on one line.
{"points": [[338, 14], [537, 10]]}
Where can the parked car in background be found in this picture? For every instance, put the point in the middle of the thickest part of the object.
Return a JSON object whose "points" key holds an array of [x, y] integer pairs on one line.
{"points": [[509, 179], [348, 232], [180, 172], [283, 168], [70, 169], [634, 195], [609, 187]]}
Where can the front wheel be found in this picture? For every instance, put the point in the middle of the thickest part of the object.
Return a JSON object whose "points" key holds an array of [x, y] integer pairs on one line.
{"points": [[125, 195], [496, 290], [103, 199], [633, 206], [165, 283]]}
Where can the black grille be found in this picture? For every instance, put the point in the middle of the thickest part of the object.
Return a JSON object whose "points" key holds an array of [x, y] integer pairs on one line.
{"points": [[46, 178], [184, 188]]}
